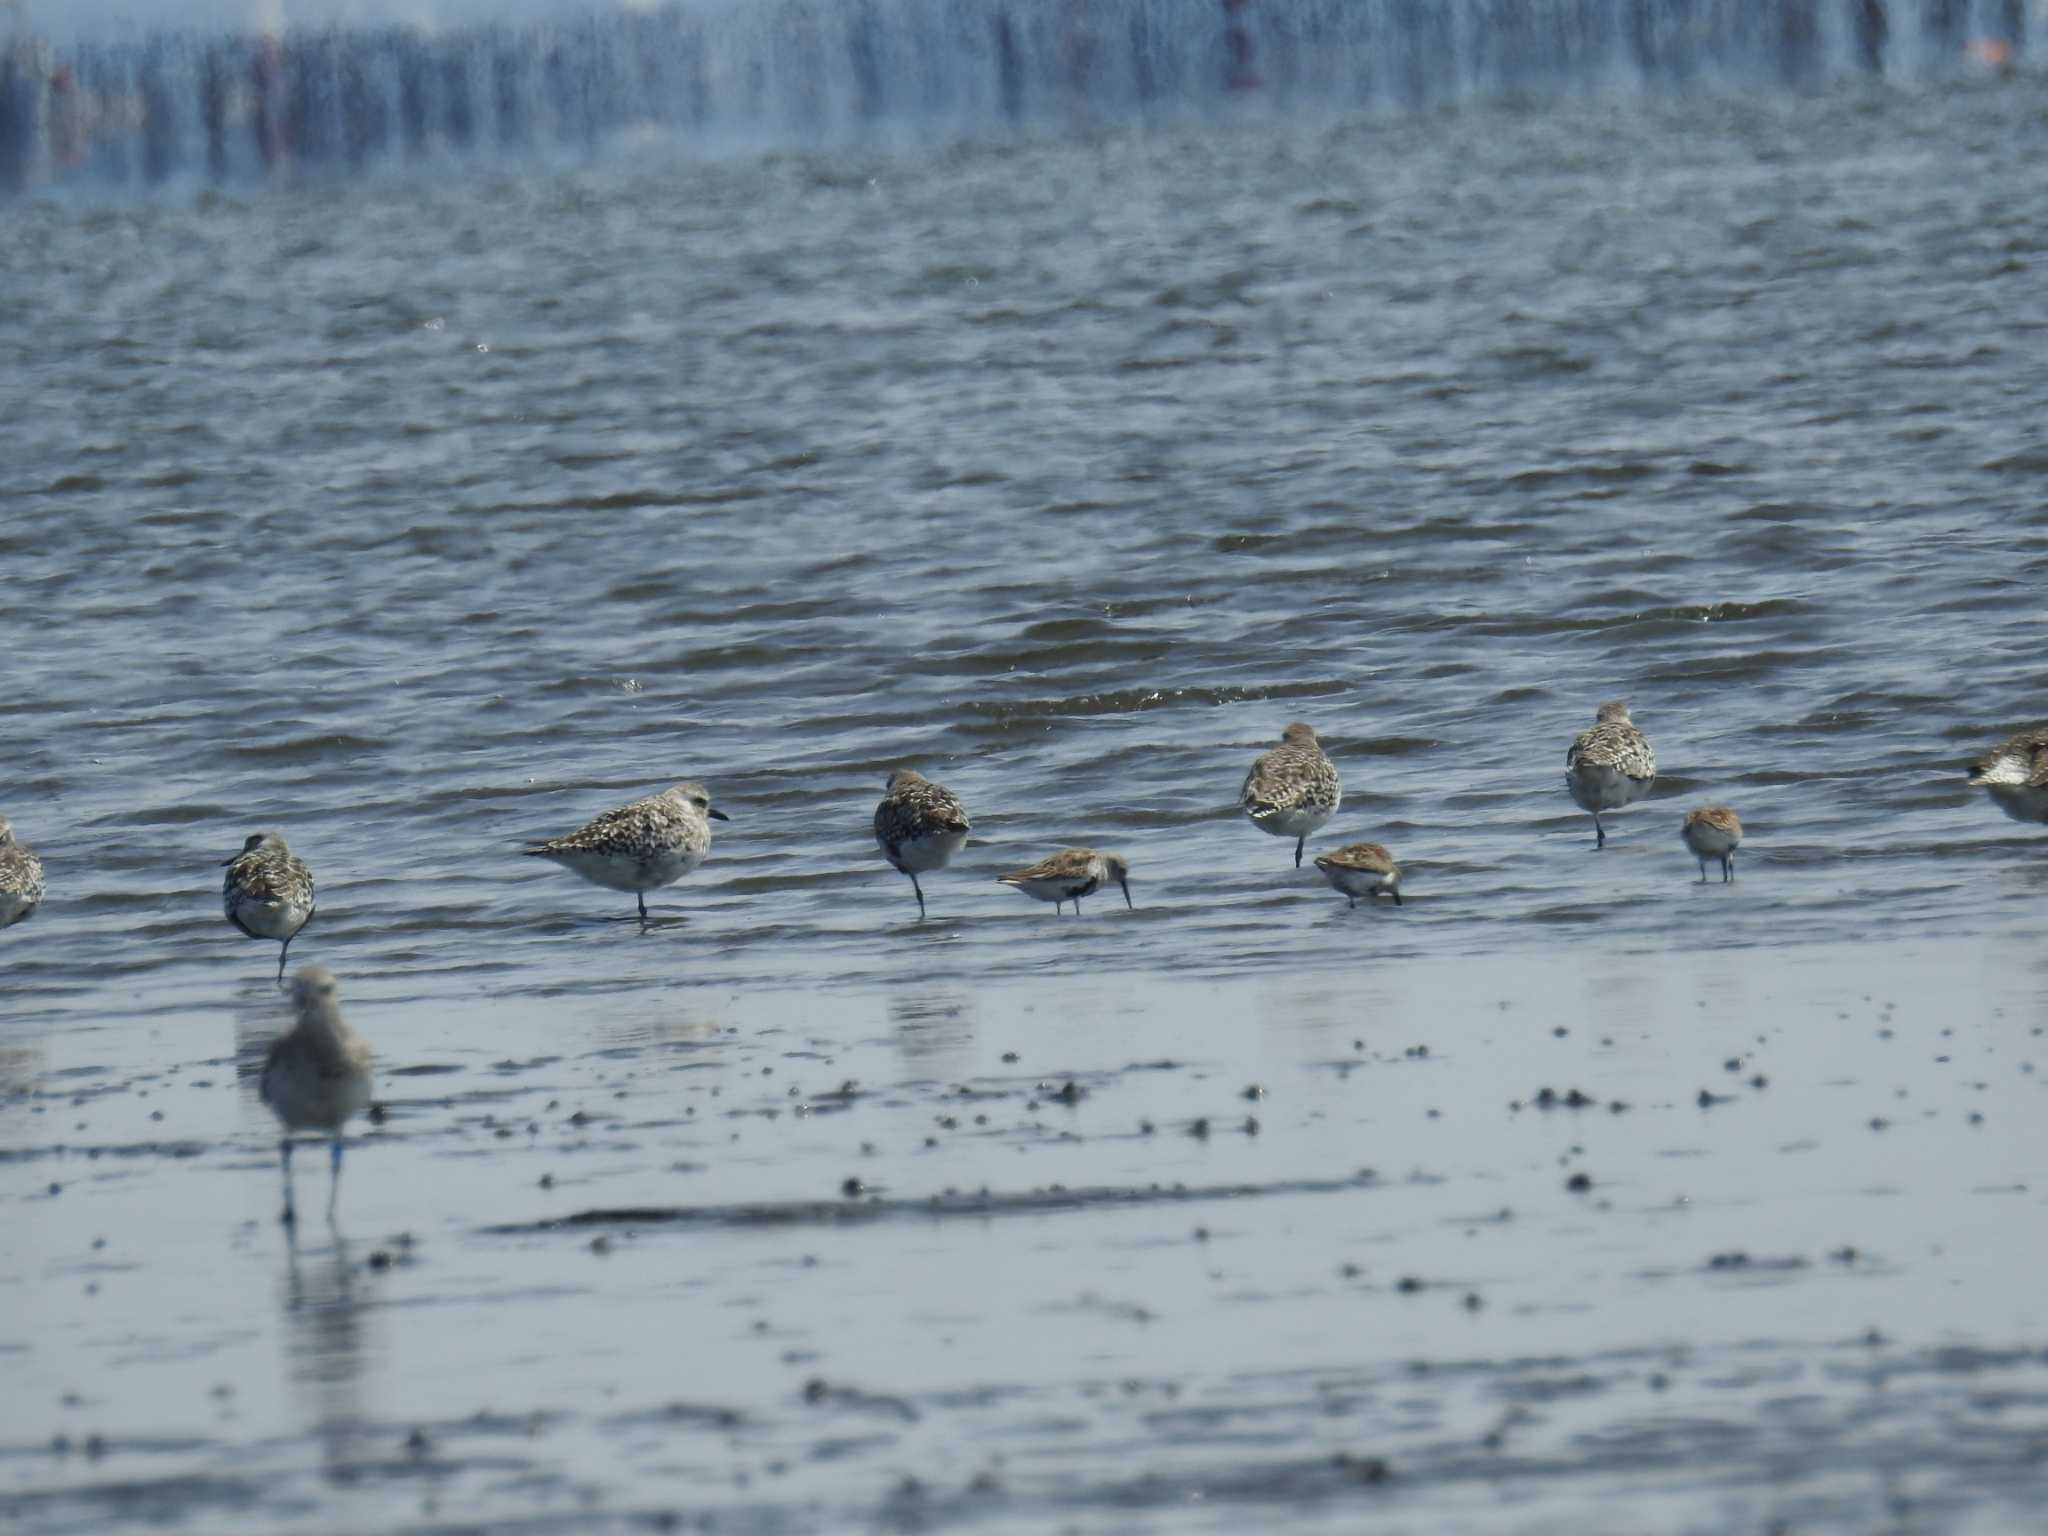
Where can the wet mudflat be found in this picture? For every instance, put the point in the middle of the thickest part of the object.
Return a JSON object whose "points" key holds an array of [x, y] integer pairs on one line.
{"points": [[1701, 1241]]}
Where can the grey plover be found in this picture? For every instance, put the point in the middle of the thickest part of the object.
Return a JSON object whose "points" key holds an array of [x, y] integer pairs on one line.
{"points": [[1713, 832], [1293, 789], [268, 892], [919, 826], [642, 846], [317, 1075], [1362, 869], [1608, 766], [1071, 874], [21, 878], [2015, 775]]}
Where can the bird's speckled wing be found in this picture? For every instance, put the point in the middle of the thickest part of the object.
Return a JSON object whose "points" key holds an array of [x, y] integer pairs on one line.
{"points": [[1068, 864], [921, 809], [1287, 778], [267, 877], [624, 832], [1614, 745]]}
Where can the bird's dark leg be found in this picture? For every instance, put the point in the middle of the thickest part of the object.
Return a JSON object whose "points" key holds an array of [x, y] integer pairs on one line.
{"points": [[281, 949], [334, 1172], [1350, 901], [285, 1154], [1058, 903], [1703, 871], [1077, 904], [641, 898], [1727, 867], [920, 896], [1297, 849], [1599, 832], [1396, 894]]}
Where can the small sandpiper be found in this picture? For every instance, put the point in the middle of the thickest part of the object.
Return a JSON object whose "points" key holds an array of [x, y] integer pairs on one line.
{"points": [[642, 846], [268, 892], [919, 826], [1608, 766], [1713, 832], [21, 878], [1293, 789], [317, 1075], [1362, 869], [1071, 874], [2015, 773]]}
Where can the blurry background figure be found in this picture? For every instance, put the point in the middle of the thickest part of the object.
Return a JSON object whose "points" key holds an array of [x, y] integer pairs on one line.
{"points": [[1872, 29], [1996, 45], [266, 98], [22, 73], [159, 116], [1240, 66]]}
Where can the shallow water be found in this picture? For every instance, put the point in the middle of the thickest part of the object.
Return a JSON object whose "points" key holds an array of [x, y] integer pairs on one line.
{"points": [[1119, 1255], [418, 517]]}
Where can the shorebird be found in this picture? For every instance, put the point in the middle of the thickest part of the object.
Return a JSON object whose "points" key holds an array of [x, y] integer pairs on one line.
{"points": [[268, 892], [317, 1075], [919, 826], [21, 878], [1608, 766], [1293, 789], [642, 846], [1071, 874], [2015, 774], [1713, 832], [1362, 869]]}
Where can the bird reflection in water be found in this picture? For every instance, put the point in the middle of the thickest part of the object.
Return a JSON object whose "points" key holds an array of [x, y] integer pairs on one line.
{"points": [[326, 1333], [935, 1031]]}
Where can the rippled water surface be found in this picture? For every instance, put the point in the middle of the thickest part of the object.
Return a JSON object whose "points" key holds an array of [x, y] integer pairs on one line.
{"points": [[420, 517]]}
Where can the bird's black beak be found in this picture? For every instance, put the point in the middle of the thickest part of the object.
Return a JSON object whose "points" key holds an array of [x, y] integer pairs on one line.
{"points": [[1127, 894], [224, 863], [717, 815]]}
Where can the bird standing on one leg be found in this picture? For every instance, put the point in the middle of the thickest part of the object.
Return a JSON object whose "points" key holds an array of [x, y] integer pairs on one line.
{"points": [[919, 826], [1071, 874], [1713, 832], [268, 892], [317, 1074], [1608, 766], [1293, 789], [642, 846]]}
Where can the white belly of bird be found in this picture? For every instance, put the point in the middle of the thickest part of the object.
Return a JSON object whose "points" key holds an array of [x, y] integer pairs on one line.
{"points": [[935, 850], [1296, 823], [1599, 787], [1054, 890], [271, 919], [622, 872], [1708, 842], [1359, 882]]}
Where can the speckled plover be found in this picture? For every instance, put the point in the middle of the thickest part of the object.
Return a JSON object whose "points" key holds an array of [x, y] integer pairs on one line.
{"points": [[1608, 766], [1293, 789], [642, 846], [919, 826]]}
